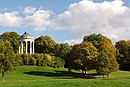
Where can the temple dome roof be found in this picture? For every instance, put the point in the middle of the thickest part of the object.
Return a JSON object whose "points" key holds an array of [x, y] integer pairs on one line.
{"points": [[26, 36]]}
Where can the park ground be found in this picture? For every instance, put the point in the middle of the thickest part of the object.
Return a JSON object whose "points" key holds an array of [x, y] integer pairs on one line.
{"points": [[38, 76]]}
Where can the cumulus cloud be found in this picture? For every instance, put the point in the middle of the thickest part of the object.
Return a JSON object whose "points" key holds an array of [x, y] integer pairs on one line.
{"points": [[111, 19], [10, 19], [39, 20], [29, 10]]}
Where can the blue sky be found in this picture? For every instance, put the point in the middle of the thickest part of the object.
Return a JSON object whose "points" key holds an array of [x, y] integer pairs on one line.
{"points": [[64, 20]]}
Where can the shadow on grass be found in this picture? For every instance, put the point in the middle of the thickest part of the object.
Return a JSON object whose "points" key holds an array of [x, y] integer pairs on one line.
{"points": [[59, 74]]}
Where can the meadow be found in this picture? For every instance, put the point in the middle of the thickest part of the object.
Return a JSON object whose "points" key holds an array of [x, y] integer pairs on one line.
{"points": [[37, 76]]}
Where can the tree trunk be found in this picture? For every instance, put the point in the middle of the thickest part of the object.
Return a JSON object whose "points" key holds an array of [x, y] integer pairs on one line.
{"points": [[85, 72], [108, 74], [82, 72], [103, 76], [69, 69], [2, 76]]}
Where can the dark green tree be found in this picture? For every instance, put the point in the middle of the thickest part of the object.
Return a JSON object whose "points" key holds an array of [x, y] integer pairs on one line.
{"points": [[62, 50], [95, 39], [8, 60], [45, 44], [124, 54]]}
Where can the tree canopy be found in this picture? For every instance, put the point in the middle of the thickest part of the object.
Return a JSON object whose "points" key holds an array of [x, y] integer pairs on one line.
{"points": [[8, 60], [45, 44], [124, 54], [12, 37], [95, 39], [106, 62], [83, 56]]}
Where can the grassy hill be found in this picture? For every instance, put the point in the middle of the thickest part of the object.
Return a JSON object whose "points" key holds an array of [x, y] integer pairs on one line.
{"points": [[33, 76]]}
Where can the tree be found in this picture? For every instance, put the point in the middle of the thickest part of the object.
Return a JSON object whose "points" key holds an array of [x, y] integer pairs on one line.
{"points": [[124, 54], [8, 61], [45, 44], [83, 56], [62, 50], [95, 39], [12, 37], [106, 61]]}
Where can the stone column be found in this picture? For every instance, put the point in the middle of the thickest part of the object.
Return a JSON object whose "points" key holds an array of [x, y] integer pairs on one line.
{"points": [[33, 47], [26, 47], [30, 47], [19, 47], [22, 47]]}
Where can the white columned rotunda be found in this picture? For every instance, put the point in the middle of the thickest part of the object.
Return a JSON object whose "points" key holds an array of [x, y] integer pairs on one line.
{"points": [[26, 44]]}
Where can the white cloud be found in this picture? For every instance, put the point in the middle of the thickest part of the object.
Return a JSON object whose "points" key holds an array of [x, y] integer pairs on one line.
{"points": [[39, 20], [87, 17], [10, 19], [29, 10], [111, 19], [73, 41]]}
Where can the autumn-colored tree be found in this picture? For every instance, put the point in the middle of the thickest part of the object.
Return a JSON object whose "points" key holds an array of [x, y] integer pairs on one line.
{"points": [[106, 61], [124, 54], [8, 60], [83, 56], [45, 44], [107, 58]]}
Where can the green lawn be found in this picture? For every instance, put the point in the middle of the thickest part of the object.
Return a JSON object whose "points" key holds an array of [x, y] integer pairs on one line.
{"points": [[33, 76]]}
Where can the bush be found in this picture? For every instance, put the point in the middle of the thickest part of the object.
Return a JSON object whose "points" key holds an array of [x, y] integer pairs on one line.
{"points": [[38, 58], [58, 62], [45, 60], [32, 61], [19, 59], [26, 59]]}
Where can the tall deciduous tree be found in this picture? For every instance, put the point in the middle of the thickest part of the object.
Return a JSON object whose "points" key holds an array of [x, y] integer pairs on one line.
{"points": [[107, 58], [62, 50], [12, 37], [83, 56], [124, 54], [106, 62], [8, 61], [45, 44]]}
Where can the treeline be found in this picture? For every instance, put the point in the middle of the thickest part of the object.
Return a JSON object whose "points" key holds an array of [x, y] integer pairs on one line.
{"points": [[94, 52]]}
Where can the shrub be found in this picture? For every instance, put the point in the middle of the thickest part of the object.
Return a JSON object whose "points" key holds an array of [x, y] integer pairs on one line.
{"points": [[26, 59], [58, 62], [32, 61], [19, 59], [45, 60]]}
